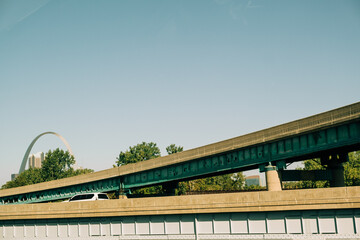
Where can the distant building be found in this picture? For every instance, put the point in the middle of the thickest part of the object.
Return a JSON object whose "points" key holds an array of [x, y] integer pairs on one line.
{"points": [[253, 180], [77, 167], [13, 176], [35, 160]]}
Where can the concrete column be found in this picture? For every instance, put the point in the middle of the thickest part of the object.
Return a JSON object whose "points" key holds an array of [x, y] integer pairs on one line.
{"points": [[122, 196], [121, 193], [337, 177], [337, 172], [273, 182], [170, 188], [335, 166]]}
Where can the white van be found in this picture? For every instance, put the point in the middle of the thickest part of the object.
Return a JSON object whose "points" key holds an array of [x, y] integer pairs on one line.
{"points": [[88, 197]]}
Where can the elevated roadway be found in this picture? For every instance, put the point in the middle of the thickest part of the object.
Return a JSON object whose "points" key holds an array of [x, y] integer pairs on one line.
{"points": [[329, 135], [331, 213], [262, 201]]}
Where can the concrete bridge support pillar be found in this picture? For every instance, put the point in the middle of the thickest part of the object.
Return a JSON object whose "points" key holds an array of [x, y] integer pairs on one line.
{"points": [[337, 173], [121, 193], [335, 165], [273, 182], [170, 188]]}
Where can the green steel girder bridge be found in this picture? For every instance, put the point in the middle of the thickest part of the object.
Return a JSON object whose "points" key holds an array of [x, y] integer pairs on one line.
{"points": [[325, 135]]}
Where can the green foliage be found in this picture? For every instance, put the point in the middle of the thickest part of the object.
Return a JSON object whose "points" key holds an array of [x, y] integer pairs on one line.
{"points": [[141, 152], [254, 188], [174, 149], [154, 190], [226, 182], [292, 185], [28, 177], [56, 165], [314, 164], [81, 171], [352, 169]]}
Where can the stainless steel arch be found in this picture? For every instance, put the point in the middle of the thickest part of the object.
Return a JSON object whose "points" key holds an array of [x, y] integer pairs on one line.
{"points": [[26, 156]]}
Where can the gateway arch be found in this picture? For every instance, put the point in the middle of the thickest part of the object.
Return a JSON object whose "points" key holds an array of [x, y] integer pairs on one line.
{"points": [[26, 156]]}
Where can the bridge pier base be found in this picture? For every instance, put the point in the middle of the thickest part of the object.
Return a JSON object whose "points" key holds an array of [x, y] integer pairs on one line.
{"points": [[273, 181], [121, 193]]}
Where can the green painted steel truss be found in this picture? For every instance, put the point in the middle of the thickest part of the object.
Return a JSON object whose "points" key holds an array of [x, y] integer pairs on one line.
{"points": [[342, 138], [332, 140], [106, 185]]}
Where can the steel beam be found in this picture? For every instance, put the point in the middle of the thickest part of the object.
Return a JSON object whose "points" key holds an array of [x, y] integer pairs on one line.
{"points": [[306, 175], [106, 185], [295, 148]]}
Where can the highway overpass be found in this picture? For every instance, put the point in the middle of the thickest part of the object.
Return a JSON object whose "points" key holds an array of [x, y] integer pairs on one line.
{"points": [[329, 136], [331, 213]]}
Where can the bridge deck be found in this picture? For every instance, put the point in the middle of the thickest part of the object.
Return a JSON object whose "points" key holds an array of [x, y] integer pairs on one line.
{"points": [[291, 200]]}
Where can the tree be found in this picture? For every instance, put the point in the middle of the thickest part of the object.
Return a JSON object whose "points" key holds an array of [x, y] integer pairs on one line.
{"points": [[138, 153], [141, 152], [174, 149], [28, 177], [352, 169], [226, 182], [57, 164]]}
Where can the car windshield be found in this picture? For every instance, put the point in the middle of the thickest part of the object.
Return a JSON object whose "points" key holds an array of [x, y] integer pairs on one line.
{"points": [[102, 196], [82, 197]]}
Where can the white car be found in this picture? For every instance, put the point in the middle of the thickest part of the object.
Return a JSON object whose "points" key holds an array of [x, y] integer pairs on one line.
{"points": [[88, 197]]}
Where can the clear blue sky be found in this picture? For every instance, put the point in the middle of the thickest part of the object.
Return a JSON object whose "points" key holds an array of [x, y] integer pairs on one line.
{"points": [[109, 74]]}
